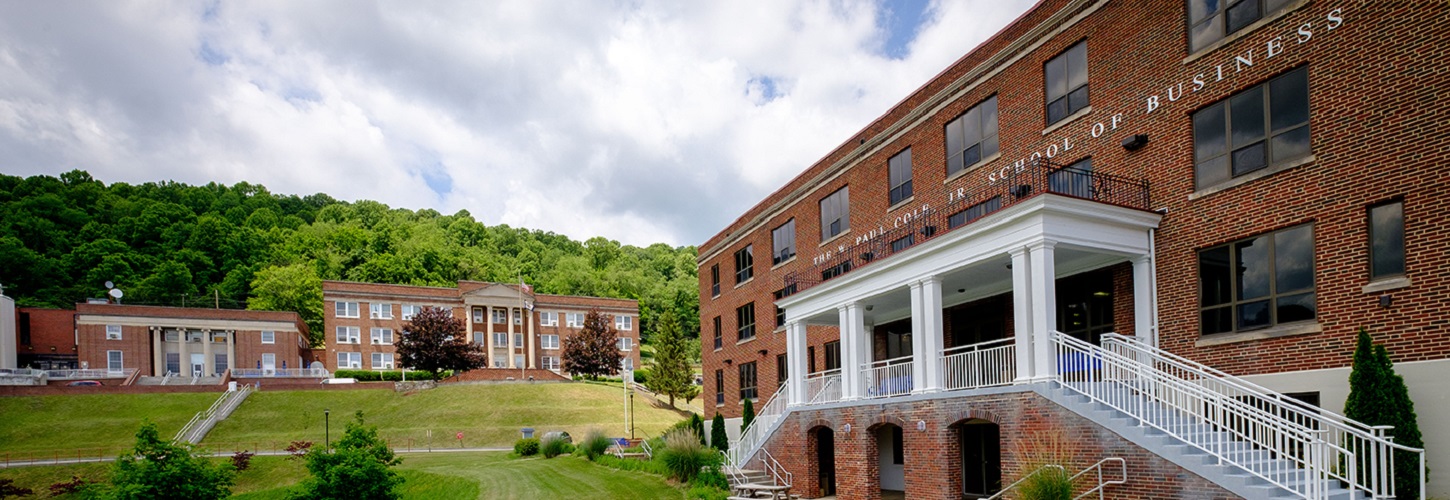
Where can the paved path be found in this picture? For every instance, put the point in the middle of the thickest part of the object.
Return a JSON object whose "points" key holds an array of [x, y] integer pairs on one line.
{"points": [[65, 461]]}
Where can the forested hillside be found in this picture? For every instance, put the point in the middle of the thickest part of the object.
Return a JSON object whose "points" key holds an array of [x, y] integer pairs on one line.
{"points": [[171, 244]]}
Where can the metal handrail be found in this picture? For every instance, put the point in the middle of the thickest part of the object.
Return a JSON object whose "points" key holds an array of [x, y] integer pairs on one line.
{"points": [[985, 364], [980, 346], [765, 420], [1099, 488], [778, 475]]}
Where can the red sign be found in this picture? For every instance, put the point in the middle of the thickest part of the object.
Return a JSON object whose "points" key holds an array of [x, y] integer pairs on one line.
{"points": [[460, 436]]}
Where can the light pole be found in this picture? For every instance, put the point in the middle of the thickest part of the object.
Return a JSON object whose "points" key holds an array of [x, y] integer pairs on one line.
{"points": [[327, 429]]}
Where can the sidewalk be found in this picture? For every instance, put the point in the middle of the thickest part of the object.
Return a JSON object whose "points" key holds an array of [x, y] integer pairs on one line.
{"points": [[65, 461]]}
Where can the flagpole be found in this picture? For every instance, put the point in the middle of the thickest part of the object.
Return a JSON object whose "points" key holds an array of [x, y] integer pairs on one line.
{"points": [[521, 327]]}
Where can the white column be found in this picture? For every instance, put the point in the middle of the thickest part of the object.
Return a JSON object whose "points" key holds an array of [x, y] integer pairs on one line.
{"points": [[208, 361], [184, 366], [467, 320], [158, 352], [1143, 312], [931, 328], [1044, 307], [508, 319], [1022, 313], [795, 360], [529, 338], [918, 337], [853, 349], [232, 350], [488, 335]]}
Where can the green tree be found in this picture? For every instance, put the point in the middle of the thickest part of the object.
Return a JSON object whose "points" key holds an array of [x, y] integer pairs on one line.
{"points": [[594, 351], [718, 439], [293, 288], [747, 415], [358, 468], [434, 341], [672, 375], [1379, 396], [168, 283], [159, 469], [698, 425]]}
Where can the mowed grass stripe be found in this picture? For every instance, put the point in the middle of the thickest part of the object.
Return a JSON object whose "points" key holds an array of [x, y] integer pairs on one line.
{"points": [[68, 422]]}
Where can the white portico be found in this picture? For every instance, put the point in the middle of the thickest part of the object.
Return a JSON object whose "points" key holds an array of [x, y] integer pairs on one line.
{"points": [[1021, 249]]}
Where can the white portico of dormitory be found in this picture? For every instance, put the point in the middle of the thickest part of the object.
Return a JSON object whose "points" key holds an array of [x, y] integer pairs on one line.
{"points": [[191, 342]]}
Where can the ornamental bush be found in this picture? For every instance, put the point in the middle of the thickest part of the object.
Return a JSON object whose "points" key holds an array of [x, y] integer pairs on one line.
{"points": [[526, 447], [1379, 396]]}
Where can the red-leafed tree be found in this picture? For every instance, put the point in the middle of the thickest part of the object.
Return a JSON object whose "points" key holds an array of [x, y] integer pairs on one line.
{"points": [[434, 341], [594, 351]]}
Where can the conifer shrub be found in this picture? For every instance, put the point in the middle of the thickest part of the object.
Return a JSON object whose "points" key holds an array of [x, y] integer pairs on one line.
{"points": [[747, 415], [718, 439], [1379, 396]]}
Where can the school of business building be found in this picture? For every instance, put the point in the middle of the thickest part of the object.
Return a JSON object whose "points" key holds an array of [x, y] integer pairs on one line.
{"points": [[519, 330], [1154, 227]]}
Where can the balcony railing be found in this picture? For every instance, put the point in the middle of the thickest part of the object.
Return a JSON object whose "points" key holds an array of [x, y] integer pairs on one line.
{"points": [[973, 203], [823, 387], [280, 373], [88, 374], [987, 364], [888, 378]]}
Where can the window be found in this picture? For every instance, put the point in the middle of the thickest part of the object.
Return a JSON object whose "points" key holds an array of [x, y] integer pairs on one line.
{"points": [[744, 264], [836, 270], [1263, 126], [478, 315], [518, 316], [115, 361], [626, 344], [782, 240], [349, 335], [173, 362], [622, 322], [551, 363], [782, 370], [811, 359], [719, 387], [269, 361], [833, 355], [626, 363], [745, 321], [899, 176], [380, 311], [974, 212], [574, 320], [518, 340], [836, 213], [903, 243], [549, 341], [349, 360], [382, 361], [548, 318], [715, 280], [1211, 20], [1073, 180], [1258, 282], [972, 136], [411, 310], [1387, 240], [500, 339], [500, 363], [717, 333], [1067, 83], [173, 336], [347, 309], [779, 316], [219, 337], [747, 381], [500, 316], [268, 337], [382, 336], [113, 332], [478, 338], [219, 360]]}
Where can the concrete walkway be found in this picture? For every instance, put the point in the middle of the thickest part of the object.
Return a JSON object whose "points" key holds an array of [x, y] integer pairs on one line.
{"points": [[65, 461]]}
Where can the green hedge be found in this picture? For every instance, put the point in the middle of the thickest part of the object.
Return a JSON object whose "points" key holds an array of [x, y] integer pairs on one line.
{"points": [[385, 375], [526, 447]]}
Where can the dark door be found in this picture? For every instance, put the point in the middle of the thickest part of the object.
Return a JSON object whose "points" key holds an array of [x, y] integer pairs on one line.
{"points": [[979, 321], [826, 460], [981, 459], [1085, 305]]}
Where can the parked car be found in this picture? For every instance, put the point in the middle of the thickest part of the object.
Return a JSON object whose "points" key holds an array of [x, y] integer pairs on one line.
{"points": [[84, 383], [558, 435]]}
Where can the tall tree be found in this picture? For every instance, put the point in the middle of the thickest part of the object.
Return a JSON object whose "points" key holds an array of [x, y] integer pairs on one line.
{"points": [[434, 341], [158, 468], [718, 439], [594, 351], [359, 468], [672, 375], [293, 288], [1379, 396]]}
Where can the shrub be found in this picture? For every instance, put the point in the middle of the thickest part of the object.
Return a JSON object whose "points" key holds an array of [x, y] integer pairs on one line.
{"points": [[242, 460], [387, 376], [159, 468], [9, 489], [747, 415], [698, 425], [526, 447], [706, 493], [298, 449], [358, 468], [554, 446], [1044, 458], [683, 455], [718, 439], [66, 487], [1379, 396], [595, 444], [713, 478], [642, 376]]}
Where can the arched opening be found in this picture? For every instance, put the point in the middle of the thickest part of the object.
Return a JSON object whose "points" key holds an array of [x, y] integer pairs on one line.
{"points": [[980, 442], [823, 440], [891, 460]]}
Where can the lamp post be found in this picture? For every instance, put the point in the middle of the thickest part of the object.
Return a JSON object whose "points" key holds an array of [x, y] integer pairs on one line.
{"points": [[327, 429]]}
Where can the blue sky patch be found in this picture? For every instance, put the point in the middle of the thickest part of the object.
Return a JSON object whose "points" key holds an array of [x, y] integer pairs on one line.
{"points": [[901, 19]]}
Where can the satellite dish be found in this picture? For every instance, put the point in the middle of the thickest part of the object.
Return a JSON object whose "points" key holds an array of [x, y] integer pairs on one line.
{"points": [[116, 292], [110, 285]]}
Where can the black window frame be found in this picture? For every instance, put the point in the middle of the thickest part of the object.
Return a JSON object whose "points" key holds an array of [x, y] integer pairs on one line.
{"points": [[898, 177], [1273, 299], [715, 280], [748, 374], [782, 370], [811, 359], [976, 211], [832, 355], [1205, 120], [745, 322], [1069, 97], [745, 264], [903, 243], [1218, 20], [986, 143], [838, 206], [719, 340], [1396, 240], [782, 243], [720, 387]]}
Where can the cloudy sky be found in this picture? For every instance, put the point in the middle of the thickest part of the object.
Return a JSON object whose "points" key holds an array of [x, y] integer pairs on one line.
{"points": [[640, 121]]}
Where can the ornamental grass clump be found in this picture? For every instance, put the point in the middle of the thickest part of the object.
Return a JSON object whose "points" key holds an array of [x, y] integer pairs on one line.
{"points": [[595, 444], [554, 446], [1046, 456], [684, 456]]}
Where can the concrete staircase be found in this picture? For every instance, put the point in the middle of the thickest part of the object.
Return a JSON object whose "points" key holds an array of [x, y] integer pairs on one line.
{"points": [[201, 424]]}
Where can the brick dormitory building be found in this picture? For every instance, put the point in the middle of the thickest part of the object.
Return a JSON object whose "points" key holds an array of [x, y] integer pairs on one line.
{"points": [[519, 329], [1153, 227]]}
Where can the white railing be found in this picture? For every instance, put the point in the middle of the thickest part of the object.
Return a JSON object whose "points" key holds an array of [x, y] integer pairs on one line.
{"points": [[766, 418], [1101, 485], [986, 364], [88, 374], [1375, 450], [887, 378], [778, 474], [823, 387], [281, 373]]}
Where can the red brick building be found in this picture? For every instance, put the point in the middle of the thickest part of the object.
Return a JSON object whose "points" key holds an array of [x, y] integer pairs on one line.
{"points": [[363, 320], [46, 338], [179, 340], [1244, 186]]}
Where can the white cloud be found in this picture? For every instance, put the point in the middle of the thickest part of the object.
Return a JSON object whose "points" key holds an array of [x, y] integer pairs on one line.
{"points": [[638, 121]]}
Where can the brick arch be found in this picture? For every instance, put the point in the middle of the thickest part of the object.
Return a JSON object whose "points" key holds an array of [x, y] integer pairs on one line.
{"points": [[885, 419], [819, 422], [960, 417]]}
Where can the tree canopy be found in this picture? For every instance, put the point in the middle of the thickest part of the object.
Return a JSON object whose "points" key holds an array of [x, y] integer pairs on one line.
{"points": [[594, 351], [160, 469], [434, 341], [167, 243], [358, 468], [672, 374]]}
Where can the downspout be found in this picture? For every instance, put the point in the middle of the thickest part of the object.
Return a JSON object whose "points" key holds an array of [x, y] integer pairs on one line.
{"points": [[1153, 285]]}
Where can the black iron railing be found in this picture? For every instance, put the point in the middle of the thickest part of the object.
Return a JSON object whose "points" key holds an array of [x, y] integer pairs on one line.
{"points": [[1012, 186]]}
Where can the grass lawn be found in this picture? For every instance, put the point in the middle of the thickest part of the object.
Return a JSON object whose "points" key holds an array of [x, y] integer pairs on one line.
{"points": [[445, 476], [69, 422], [486, 414]]}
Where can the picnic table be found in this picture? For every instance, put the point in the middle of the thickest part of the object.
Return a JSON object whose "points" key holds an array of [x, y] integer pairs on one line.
{"points": [[753, 490]]}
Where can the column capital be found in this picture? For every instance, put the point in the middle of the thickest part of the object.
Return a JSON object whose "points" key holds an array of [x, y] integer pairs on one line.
{"points": [[914, 285], [1043, 244], [930, 279], [1017, 252]]}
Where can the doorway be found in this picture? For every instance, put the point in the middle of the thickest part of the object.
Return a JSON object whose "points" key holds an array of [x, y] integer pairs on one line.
{"points": [[198, 364], [825, 440], [1085, 305], [981, 445]]}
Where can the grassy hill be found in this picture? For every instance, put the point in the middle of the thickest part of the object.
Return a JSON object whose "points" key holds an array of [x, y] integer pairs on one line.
{"points": [[45, 423], [486, 414]]}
